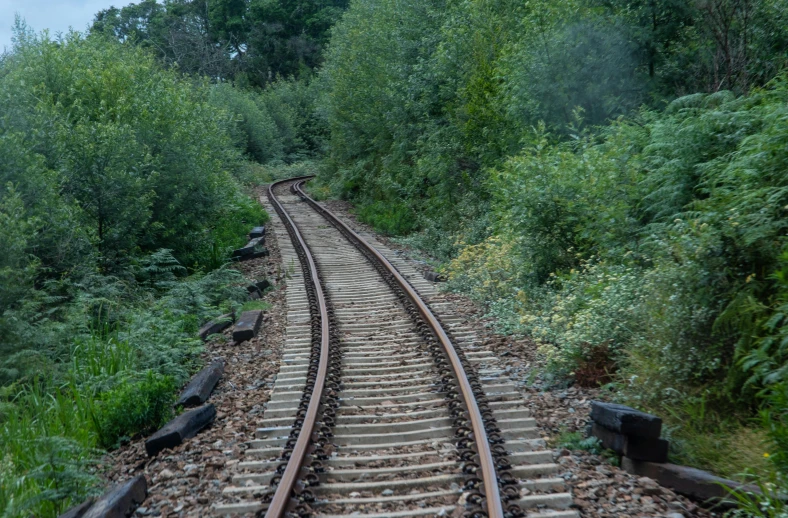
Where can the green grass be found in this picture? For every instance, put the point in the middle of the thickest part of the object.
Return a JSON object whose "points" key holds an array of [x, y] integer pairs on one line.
{"points": [[390, 218], [720, 444], [253, 305], [576, 441]]}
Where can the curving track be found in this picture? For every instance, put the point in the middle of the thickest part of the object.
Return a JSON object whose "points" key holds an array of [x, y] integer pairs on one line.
{"points": [[412, 418]]}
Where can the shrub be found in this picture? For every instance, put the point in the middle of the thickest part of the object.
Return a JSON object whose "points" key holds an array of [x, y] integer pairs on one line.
{"points": [[134, 407], [112, 125], [251, 126], [390, 218]]}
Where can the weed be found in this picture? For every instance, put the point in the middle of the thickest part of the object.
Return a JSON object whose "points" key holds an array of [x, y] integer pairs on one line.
{"points": [[577, 441], [256, 305], [771, 502], [134, 407]]}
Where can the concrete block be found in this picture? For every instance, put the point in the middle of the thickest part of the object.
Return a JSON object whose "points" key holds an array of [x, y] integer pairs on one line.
{"points": [[201, 385], [626, 420], [247, 326], [257, 232], [183, 427], [632, 446], [691, 482], [120, 501], [216, 325]]}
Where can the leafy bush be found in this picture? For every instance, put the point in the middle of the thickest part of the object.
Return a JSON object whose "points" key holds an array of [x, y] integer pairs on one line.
{"points": [[134, 407], [390, 218], [642, 255], [252, 127], [292, 106], [120, 199], [124, 157]]}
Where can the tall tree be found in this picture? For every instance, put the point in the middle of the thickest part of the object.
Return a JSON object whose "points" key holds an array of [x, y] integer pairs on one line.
{"points": [[252, 41]]}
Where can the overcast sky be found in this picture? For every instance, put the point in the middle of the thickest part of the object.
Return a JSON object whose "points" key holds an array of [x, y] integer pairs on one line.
{"points": [[55, 15]]}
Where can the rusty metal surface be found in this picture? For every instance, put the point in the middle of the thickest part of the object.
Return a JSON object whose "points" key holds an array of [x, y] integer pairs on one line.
{"points": [[282, 501], [494, 506], [282, 497]]}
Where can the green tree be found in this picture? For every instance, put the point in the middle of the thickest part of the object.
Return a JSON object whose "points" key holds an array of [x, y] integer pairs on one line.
{"points": [[250, 42]]}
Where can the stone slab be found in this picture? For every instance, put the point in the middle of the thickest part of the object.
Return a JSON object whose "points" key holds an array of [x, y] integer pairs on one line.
{"points": [[625, 420], [183, 427], [257, 232], [216, 325], [691, 482], [263, 284], [632, 446], [120, 501], [78, 511], [247, 326], [201, 385]]}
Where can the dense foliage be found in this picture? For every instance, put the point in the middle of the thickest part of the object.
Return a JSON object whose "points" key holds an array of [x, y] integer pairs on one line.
{"points": [[606, 176], [251, 42], [120, 198]]}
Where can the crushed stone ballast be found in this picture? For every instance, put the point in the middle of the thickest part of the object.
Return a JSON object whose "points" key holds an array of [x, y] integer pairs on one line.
{"points": [[413, 417]]}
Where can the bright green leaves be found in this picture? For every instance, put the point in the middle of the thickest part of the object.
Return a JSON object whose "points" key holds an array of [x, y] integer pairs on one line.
{"points": [[140, 152]]}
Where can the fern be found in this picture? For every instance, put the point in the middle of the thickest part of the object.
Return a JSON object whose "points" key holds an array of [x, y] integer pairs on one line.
{"points": [[160, 269]]}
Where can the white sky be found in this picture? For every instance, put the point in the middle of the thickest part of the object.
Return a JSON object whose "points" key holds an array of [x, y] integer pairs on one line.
{"points": [[55, 15]]}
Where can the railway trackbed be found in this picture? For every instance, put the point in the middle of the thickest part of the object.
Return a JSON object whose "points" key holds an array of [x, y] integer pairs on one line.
{"points": [[384, 406]]}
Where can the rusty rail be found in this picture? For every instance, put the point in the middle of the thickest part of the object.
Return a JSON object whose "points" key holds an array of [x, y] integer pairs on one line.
{"points": [[282, 498], [486, 461]]}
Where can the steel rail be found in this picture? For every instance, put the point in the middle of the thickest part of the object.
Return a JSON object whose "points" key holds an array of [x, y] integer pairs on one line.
{"points": [[282, 497], [494, 506]]}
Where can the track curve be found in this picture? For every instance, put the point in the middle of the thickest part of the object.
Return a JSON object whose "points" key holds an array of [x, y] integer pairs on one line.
{"points": [[383, 375]]}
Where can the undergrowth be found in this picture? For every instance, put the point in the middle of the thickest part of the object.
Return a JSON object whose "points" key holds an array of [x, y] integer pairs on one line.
{"points": [[96, 386]]}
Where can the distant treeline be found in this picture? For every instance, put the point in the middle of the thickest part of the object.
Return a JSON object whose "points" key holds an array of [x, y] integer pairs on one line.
{"points": [[251, 42]]}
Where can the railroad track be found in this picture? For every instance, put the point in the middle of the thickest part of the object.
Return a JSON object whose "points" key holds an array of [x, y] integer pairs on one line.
{"points": [[383, 406]]}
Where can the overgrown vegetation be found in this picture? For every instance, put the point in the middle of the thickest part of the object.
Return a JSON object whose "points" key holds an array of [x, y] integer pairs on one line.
{"points": [[121, 195], [605, 176], [126, 156]]}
